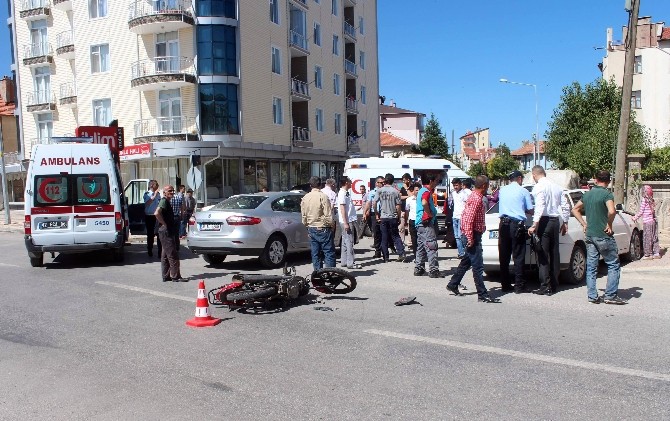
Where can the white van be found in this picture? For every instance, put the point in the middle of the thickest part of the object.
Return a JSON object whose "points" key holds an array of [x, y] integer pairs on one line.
{"points": [[73, 200], [364, 171]]}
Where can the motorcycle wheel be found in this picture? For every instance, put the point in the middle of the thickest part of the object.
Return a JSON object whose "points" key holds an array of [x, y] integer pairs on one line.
{"points": [[254, 294], [335, 281]]}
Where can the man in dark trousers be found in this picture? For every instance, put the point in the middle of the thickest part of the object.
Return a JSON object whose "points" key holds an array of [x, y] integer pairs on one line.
{"points": [[167, 233], [514, 204], [151, 199], [371, 211], [389, 201], [473, 226]]}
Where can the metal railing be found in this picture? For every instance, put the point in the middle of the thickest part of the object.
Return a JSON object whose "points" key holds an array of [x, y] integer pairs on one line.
{"points": [[299, 87], [351, 104], [349, 30], [299, 40], [301, 134], [67, 90], [11, 158], [34, 4], [37, 50], [303, 2], [142, 8], [164, 126], [161, 66], [40, 97], [64, 39], [349, 67]]}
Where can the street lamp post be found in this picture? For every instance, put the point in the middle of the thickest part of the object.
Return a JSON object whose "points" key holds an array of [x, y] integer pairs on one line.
{"points": [[536, 151]]}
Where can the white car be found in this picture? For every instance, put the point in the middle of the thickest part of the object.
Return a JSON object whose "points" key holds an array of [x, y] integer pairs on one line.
{"points": [[572, 248]]}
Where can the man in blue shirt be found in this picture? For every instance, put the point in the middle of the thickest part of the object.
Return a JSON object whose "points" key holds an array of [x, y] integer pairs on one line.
{"points": [[514, 204]]}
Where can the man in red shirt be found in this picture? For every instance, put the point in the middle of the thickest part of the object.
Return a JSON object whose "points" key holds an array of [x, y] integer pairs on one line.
{"points": [[472, 227]]}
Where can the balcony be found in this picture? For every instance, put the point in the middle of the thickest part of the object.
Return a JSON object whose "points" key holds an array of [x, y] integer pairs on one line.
{"points": [[68, 95], [350, 69], [298, 44], [65, 45], [349, 31], [349, 3], [38, 54], [64, 5], [40, 101], [351, 105], [302, 3], [156, 16], [162, 73], [301, 137], [299, 90], [34, 9], [166, 129]]}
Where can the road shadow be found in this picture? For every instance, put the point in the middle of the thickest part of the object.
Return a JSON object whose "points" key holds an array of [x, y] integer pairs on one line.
{"points": [[343, 297], [629, 293], [133, 255]]}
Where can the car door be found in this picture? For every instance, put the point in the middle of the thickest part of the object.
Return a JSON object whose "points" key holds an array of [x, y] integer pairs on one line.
{"points": [[622, 233], [287, 218], [134, 193]]}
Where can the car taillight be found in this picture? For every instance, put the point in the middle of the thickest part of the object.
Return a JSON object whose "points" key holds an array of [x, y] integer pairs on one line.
{"points": [[118, 221], [242, 220], [191, 221], [27, 228]]}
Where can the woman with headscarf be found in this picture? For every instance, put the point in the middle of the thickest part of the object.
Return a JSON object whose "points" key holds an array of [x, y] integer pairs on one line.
{"points": [[650, 225]]}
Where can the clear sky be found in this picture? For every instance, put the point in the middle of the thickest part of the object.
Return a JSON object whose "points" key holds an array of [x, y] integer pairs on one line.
{"points": [[447, 57]]}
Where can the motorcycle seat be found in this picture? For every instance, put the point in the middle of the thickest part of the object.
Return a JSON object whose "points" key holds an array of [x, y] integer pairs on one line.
{"points": [[257, 279]]}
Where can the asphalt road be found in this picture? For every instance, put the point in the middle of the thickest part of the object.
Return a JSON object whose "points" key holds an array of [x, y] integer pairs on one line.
{"points": [[84, 338]]}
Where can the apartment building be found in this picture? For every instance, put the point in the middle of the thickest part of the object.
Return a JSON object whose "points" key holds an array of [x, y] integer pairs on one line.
{"points": [[651, 85], [402, 123], [267, 93]]}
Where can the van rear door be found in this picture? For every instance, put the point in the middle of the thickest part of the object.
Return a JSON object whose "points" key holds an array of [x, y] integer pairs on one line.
{"points": [[94, 209], [134, 192], [51, 210]]}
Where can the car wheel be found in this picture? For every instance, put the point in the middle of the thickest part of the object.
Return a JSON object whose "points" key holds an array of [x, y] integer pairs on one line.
{"points": [[214, 259], [635, 248], [274, 254], [576, 272]]}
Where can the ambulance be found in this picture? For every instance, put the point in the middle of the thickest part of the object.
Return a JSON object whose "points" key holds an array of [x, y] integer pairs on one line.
{"points": [[364, 171], [73, 200]]}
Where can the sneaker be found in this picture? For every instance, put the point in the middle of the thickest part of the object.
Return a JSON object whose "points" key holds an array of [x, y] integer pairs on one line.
{"points": [[646, 258], [453, 289], [596, 300], [656, 256], [179, 279], [419, 272], [355, 266], [436, 274], [615, 300], [487, 299]]}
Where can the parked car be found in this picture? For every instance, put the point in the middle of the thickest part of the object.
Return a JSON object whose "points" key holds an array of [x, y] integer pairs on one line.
{"points": [[572, 248], [267, 225]]}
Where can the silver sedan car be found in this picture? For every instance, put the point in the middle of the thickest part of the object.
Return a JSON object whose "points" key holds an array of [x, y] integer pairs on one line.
{"points": [[267, 225]]}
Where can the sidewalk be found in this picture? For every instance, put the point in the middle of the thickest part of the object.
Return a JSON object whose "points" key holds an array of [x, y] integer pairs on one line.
{"points": [[16, 217]]}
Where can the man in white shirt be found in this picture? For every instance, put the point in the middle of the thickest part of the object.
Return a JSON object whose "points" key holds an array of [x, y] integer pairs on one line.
{"points": [[347, 216], [459, 196], [550, 217], [410, 213]]}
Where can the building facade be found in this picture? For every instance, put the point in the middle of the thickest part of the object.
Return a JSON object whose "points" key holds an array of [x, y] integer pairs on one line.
{"points": [[651, 85], [475, 148], [399, 122], [524, 156], [267, 93]]}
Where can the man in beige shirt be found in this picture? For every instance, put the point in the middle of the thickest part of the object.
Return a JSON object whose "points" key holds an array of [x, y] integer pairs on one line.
{"points": [[316, 211]]}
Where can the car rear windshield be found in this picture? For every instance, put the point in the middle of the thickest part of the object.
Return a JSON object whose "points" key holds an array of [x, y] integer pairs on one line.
{"points": [[72, 189], [51, 190], [240, 202], [91, 189]]}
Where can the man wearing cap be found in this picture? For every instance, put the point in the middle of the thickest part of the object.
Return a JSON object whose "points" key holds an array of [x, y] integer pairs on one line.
{"points": [[514, 204]]}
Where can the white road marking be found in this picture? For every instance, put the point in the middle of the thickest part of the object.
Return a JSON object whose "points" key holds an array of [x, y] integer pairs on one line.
{"points": [[146, 291], [8, 265], [526, 355]]}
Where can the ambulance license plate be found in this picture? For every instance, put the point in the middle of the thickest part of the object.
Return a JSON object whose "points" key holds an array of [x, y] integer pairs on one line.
{"points": [[493, 235], [52, 225], [210, 227]]}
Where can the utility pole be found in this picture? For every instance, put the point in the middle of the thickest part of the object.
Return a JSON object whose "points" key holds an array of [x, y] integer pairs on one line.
{"points": [[5, 199], [624, 120]]}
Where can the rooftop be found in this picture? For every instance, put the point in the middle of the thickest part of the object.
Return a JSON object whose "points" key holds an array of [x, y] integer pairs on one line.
{"points": [[528, 148], [388, 140]]}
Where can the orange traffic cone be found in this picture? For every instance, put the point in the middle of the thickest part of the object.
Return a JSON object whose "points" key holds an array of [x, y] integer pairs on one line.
{"points": [[202, 317]]}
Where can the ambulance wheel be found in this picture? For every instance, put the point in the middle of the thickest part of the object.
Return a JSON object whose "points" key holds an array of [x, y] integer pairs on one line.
{"points": [[37, 261], [118, 255]]}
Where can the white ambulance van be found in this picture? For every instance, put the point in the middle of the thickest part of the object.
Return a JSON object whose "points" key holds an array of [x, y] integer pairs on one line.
{"points": [[364, 171], [73, 200]]}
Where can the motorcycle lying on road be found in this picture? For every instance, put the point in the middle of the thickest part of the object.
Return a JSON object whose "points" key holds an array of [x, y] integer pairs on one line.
{"points": [[247, 291]]}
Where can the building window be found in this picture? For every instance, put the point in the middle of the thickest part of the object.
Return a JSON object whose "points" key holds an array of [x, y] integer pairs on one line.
{"points": [[277, 112], [636, 99], [364, 95], [319, 120], [361, 25], [97, 8], [364, 129], [276, 60], [225, 8], [44, 126], [102, 112], [274, 11], [361, 60], [317, 34], [318, 83], [217, 50], [638, 65], [335, 7], [219, 109], [338, 123], [336, 45], [336, 84], [100, 58]]}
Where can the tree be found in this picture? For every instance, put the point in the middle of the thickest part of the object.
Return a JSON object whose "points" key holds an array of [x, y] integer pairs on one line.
{"points": [[502, 164], [476, 169], [657, 166], [582, 134], [434, 142]]}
